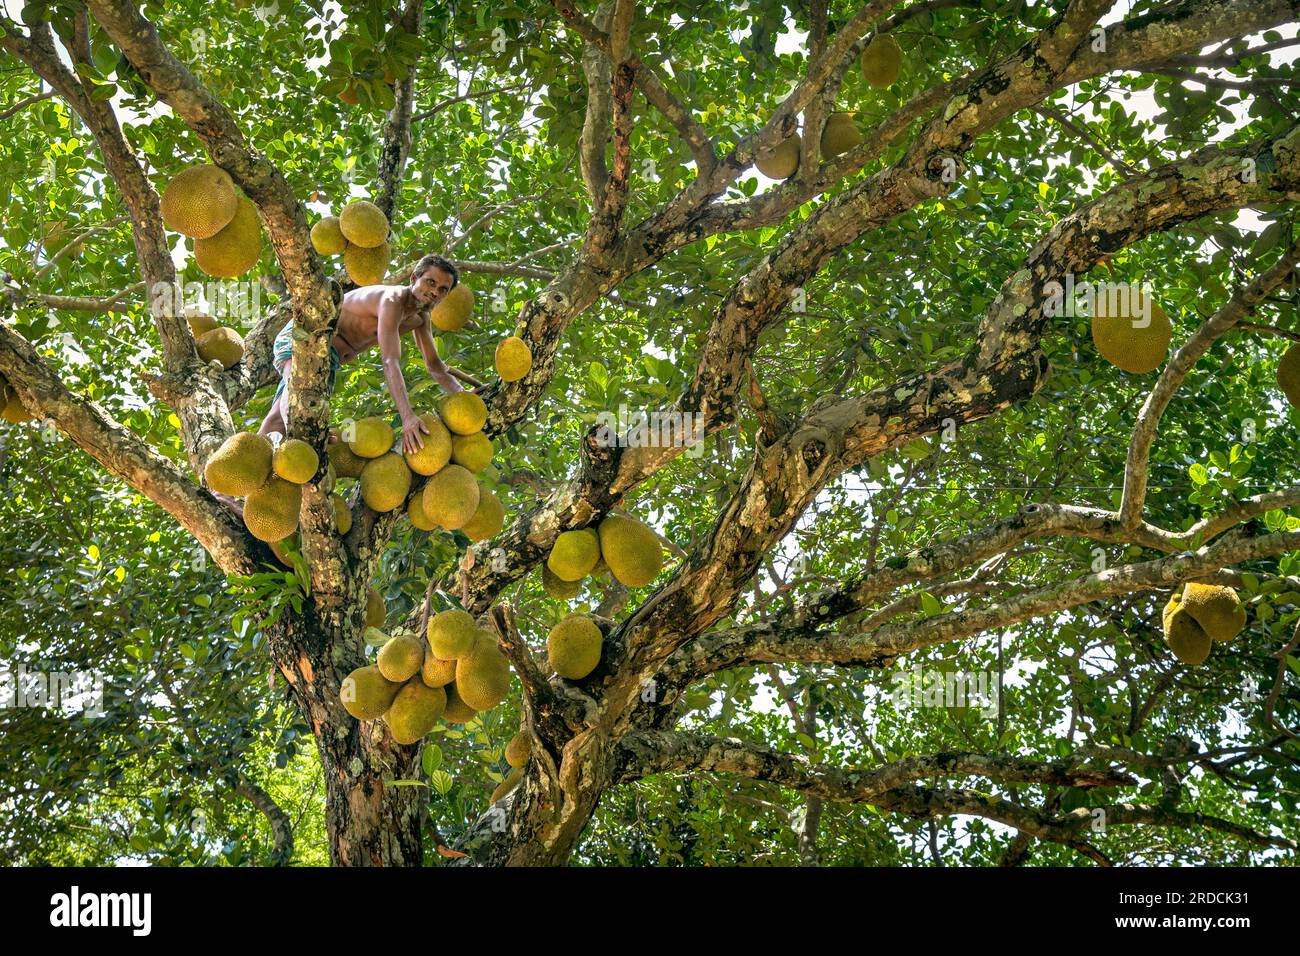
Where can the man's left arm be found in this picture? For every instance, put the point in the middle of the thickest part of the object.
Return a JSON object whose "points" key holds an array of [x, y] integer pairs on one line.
{"points": [[433, 361]]}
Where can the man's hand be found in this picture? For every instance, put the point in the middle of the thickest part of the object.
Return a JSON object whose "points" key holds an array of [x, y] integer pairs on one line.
{"points": [[413, 432]]}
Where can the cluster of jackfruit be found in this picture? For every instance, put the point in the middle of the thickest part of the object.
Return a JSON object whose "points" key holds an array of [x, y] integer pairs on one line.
{"points": [[454, 674], [11, 407], [360, 233], [622, 546], [881, 63], [269, 479], [1134, 348], [203, 203], [455, 450], [1199, 614]]}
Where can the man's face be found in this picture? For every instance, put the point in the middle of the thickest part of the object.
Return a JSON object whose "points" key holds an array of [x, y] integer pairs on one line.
{"points": [[431, 286]]}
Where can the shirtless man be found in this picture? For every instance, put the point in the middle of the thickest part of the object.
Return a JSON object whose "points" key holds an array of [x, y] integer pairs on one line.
{"points": [[379, 314]]}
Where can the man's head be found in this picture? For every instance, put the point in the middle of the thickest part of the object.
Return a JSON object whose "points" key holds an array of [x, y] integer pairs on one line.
{"points": [[432, 278]]}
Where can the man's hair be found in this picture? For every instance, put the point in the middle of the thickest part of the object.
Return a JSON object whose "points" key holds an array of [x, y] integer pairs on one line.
{"points": [[435, 261]]}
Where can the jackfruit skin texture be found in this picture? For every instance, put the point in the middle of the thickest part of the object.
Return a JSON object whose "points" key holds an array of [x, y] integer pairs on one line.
{"points": [[508, 783], [240, 466], [376, 610], [451, 314], [464, 412], [342, 514], [367, 266], [513, 359], [1216, 608], [483, 675], [14, 411], [881, 61], [457, 712], [488, 520], [436, 672], [414, 711], [401, 658], [631, 550], [573, 647], [385, 482], [472, 451], [782, 161], [366, 694], [415, 514], [1136, 351], [295, 461], [519, 749], [1185, 637], [451, 634], [558, 588], [1288, 375], [200, 201], [433, 456], [222, 344], [327, 238], [840, 135], [371, 437], [271, 512], [451, 497], [363, 224], [236, 248], [346, 462], [574, 554]]}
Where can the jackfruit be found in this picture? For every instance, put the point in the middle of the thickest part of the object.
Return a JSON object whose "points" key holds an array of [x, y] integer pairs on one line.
{"points": [[574, 554], [363, 224], [483, 675], [508, 783], [366, 693], [236, 248], [631, 550], [200, 324], [200, 201], [573, 647], [14, 411], [376, 610], [414, 711], [342, 514], [222, 345], [464, 412], [415, 514], [514, 359], [371, 437], [367, 266], [489, 518], [519, 749], [557, 587], [782, 161], [401, 658], [453, 311], [1185, 637], [1216, 608], [451, 634], [436, 451], [271, 512], [457, 712], [881, 61], [1135, 350], [346, 462], [1288, 375], [472, 451], [327, 238], [295, 461], [436, 672], [451, 497], [240, 466], [385, 482], [840, 135]]}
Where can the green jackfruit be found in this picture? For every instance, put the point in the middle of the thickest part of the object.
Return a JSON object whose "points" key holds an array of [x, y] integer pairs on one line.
{"points": [[371, 437], [454, 310], [782, 161], [363, 224], [464, 412], [519, 749], [489, 518], [376, 610], [558, 588], [631, 549], [346, 462], [433, 456], [1133, 349], [574, 554], [366, 693], [385, 482], [295, 461], [573, 647], [451, 497], [241, 465], [1216, 608], [881, 61], [436, 672], [401, 658], [327, 238], [414, 711], [508, 783], [451, 634], [472, 451], [457, 712], [200, 201], [513, 359], [222, 344], [483, 675], [271, 512], [236, 248]]}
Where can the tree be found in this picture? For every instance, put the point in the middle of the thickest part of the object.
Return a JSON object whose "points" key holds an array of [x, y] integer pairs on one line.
{"points": [[917, 461]]}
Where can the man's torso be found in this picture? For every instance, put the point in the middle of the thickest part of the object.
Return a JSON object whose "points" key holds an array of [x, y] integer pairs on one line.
{"points": [[358, 328]]}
